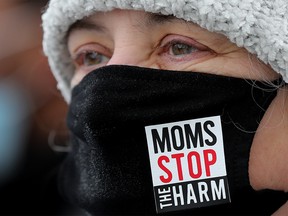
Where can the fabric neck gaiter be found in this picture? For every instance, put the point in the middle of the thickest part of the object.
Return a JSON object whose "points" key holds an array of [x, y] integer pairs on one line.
{"points": [[147, 141]]}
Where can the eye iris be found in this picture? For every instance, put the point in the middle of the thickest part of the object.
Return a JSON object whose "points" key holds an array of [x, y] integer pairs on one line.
{"points": [[92, 58], [181, 49]]}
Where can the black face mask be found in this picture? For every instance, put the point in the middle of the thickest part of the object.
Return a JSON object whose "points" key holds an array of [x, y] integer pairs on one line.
{"points": [[108, 170]]}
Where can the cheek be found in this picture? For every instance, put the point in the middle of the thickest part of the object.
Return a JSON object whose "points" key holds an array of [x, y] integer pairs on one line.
{"points": [[242, 65], [76, 79], [198, 62], [235, 64], [78, 76]]}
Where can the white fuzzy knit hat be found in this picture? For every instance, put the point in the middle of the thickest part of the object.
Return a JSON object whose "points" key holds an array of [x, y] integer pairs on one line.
{"points": [[261, 26]]}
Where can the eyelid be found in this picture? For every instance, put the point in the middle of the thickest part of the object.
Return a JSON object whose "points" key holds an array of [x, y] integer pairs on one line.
{"points": [[170, 39], [90, 47]]}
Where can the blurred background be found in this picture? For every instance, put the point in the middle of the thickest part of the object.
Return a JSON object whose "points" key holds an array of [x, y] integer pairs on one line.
{"points": [[33, 133]]}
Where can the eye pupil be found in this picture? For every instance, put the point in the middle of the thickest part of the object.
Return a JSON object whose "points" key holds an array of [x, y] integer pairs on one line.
{"points": [[181, 49], [92, 58]]}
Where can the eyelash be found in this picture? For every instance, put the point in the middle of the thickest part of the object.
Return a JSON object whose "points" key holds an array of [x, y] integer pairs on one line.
{"points": [[97, 51], [196, 49], [80, 60], [166, 49]]}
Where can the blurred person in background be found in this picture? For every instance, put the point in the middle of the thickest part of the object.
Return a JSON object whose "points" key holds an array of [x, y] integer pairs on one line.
{"points": [[32, 115]]}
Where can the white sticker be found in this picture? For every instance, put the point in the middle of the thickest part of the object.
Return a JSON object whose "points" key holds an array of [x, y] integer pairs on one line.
{"points": [[188, 164]]}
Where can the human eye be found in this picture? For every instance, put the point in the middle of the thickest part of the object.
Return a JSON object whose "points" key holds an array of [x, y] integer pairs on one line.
{"points": [[90, 56], [178, 47]]}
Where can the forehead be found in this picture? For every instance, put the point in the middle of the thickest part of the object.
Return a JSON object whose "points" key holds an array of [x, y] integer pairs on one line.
{"points": [[140, 19]]}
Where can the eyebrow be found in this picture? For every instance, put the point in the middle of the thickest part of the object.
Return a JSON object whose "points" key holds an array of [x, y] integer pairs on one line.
{"points": [[150, 20], [85, 24], [159, 19]]}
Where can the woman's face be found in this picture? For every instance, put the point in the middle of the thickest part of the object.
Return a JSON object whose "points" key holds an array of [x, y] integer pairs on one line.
{"points": [[148, 40]]}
